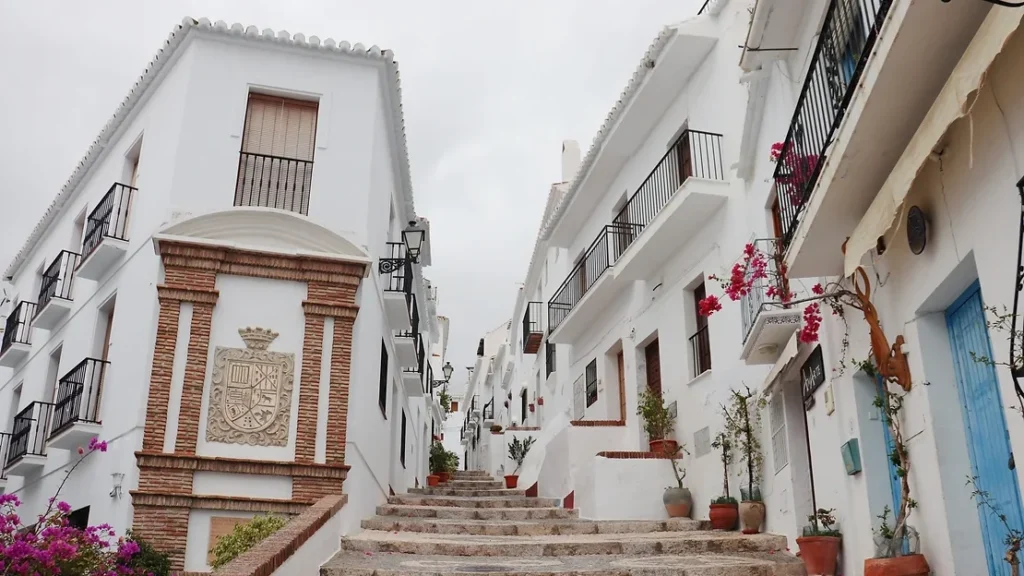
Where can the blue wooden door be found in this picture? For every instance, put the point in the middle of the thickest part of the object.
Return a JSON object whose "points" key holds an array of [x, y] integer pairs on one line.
{"points": [[988, 442], [890, 447]]}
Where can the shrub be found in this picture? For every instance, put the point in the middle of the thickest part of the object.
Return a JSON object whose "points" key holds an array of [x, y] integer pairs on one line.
{"points": [[244, 537], [438, 458], [148, 560], [517, 451]]}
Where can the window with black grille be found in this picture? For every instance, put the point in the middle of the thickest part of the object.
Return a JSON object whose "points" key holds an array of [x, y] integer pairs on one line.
{"points": [[382, 389], [591, 382]]}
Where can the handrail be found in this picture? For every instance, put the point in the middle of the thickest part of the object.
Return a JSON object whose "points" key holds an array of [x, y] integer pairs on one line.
{"points": [[58, 279], [18, 327], [109, 219]]}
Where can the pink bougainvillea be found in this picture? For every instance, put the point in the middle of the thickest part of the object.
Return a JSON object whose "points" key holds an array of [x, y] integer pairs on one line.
{"points": [[53, 547], [796, 171], [812, 323]]}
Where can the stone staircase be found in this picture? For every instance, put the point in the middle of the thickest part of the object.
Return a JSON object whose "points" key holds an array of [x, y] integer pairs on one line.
{"points": [[473, 525]]}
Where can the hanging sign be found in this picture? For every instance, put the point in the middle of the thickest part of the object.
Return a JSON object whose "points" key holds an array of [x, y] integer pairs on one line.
{"points": [[812, 376]]}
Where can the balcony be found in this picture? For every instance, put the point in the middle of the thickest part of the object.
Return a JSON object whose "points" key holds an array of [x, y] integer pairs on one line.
{"points": [[106, 232], [767, 325], [700, 351], [412, 378], [5, 447], [17, 336], [273, 182], [406, 341], [398, 288], [27, 453], [55, 291], [488, 413], [533, 333], [857, 112], [76, 413], [674, 202]]}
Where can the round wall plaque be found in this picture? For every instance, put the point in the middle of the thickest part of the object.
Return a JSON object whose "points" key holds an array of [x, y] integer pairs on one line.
{"points": [[917, 230]]}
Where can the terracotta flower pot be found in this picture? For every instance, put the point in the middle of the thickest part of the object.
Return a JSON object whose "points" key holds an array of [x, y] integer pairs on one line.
{"points": [[819, 553], [540, 401], [678, 502], [531, 407], [664, 446], [433, 480], [912, 565], [511, 481], [443, 477], [724, 516], [751, 516]]}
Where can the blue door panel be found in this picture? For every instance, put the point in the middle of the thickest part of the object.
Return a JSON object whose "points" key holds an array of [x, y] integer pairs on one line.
{"points": [[988, 442]]}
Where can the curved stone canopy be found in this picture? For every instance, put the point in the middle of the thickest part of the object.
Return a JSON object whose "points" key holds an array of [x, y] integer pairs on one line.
{"points": [[264, 230]]}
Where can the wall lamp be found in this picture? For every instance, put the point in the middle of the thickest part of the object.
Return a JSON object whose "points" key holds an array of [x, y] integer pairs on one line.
{"points": [[412, 237], [447, 370]]}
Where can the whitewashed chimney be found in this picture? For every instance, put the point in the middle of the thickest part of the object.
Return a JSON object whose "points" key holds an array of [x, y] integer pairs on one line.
{"points": [[570, 159]]}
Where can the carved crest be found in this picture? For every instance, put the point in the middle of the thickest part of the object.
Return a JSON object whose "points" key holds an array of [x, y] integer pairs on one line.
{"points": [[250, 397]]}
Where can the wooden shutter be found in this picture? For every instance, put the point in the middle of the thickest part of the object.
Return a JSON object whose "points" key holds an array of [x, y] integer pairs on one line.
{"points": [[653, 356], [278, 142]]}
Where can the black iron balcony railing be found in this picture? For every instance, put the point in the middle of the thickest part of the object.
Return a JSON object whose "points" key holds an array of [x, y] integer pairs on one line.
{"points": [[400, 279], [533, 332], [109, 219], [28, 435], [847, 35], [549, 358], [18, 327], [273, 182], [753, 302], [78, 395], [598, 258], [420, 356], [488, 411], [695, 154], [414, 319], [700, 346], [5, 450], [58, 279]]}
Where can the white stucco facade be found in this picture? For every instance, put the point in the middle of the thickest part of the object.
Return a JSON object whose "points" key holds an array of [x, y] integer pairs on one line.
{"points": [[181, 129]]}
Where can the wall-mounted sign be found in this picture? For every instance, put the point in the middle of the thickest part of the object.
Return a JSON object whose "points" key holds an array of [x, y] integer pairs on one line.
{"points": [[812, 376]]}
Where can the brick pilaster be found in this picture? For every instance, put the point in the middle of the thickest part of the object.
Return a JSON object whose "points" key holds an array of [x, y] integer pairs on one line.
{"points": [[337, 403], [309, 388], [195, 378], [160, 375]]}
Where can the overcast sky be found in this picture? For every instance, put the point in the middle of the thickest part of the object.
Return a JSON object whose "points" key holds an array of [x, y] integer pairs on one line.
{"points": [[490, 89]]}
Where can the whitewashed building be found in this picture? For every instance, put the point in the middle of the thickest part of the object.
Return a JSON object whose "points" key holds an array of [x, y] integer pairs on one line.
{"points": [[907, 114], [206, 294]]}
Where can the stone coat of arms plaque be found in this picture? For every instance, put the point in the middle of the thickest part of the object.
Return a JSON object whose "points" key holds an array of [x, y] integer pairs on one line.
{"points": [[251, 391]]}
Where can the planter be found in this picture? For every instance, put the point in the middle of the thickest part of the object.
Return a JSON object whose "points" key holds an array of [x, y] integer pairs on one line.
{"points": [[531, 407], [443, 477], [751, 516], [540, 401], [678, 502], [433, 480], [724, 516], [664, 446], [511, 481], [911, 565], [819, 553]]}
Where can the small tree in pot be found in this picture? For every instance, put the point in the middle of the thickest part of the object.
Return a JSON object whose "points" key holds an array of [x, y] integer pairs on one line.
{"points": [[658, 423], [819, 546], [677, 499], [438, 463], [725, 509], [742, 421], [517, 451]]}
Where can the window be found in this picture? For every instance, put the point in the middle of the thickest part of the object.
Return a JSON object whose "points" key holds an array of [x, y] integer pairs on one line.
{"points": [[275, 167], [591, 383], [401, 453], [382, 386], [549, 358], [700, 342], [522, 405], [777, 414], [52, 375]]}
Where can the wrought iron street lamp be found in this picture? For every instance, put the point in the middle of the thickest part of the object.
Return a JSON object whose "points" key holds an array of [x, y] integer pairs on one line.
{"points": [[412, 237], [447, 369]]}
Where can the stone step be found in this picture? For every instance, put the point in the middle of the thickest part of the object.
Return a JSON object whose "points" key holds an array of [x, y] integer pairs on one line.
{"points": [[748, 564], [472, 474], [474, 484], [501, 502], [544, 527], [467, 492], [685, 543], [458, 513]]}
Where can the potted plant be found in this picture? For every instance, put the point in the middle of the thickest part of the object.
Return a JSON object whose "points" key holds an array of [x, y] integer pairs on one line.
{"points": [[438, 462], [445, 400], [657, 423], [896, 547], [517, 451], [496, 428], [451, 464], [677, 499], [540, 401], [724, 510], [742, 420], [819, 546], [531, 407]]}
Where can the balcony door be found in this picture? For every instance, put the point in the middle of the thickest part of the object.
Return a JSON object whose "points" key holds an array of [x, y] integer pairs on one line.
{"points": [[652, 354], [684, 158], [276, 163]]}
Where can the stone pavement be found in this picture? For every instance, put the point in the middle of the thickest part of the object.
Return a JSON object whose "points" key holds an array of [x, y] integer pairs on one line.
{"points": [[473, 525]]}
